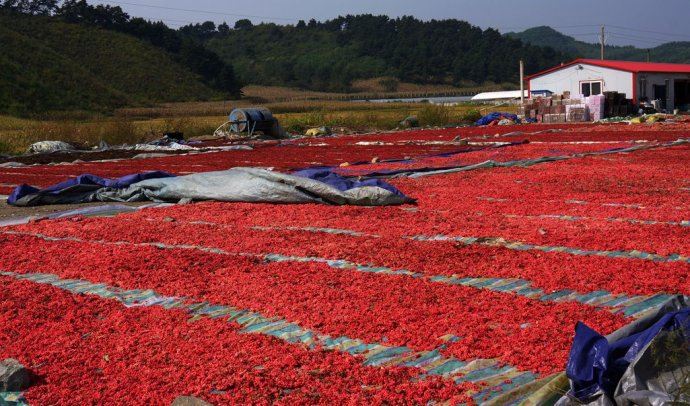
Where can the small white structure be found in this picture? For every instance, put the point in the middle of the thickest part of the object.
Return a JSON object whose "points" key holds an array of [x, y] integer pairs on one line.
{"points": [[498, 96], [667, 82]]}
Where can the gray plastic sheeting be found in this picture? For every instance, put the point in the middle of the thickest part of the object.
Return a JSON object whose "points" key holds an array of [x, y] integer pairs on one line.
{"points": [[524, 163], [642, 383], [252, 185], [92, 211]]}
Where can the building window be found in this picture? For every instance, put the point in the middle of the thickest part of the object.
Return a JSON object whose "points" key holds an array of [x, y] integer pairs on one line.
{"points": [[643, 88], [591, 88]]}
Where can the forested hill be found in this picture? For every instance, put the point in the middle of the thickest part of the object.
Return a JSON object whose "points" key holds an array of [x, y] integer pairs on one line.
{"points": [[329, 55], [674, 52], [76, 56], [48, 65]]}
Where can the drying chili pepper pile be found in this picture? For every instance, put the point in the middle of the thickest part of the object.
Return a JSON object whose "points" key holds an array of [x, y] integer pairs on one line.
{"points": [[468, 294]]}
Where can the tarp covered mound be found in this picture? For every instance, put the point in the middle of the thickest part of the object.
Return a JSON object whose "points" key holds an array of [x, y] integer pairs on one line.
{"points": [[76, 190], [645, 363], [256, 185], [252, 185]]}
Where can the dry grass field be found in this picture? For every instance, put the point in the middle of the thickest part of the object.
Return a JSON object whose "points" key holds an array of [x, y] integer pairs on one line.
{"points": [[297, 110]]}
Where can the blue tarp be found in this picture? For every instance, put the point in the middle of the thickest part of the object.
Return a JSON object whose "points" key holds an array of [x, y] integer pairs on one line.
{"points": [[596, 365], [76, 189], [489, 118], [326, 175]]}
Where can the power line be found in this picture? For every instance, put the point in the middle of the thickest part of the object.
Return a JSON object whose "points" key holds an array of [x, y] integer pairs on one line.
{"points": [[199, 11], [560, 27], [177, 21], [668, 34], [582, 34], [632, 39], [637, 38], [686, 37], [554, 27]]}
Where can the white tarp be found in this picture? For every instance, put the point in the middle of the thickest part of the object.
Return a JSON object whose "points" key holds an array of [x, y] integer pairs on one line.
{"points": [[46, 147]]}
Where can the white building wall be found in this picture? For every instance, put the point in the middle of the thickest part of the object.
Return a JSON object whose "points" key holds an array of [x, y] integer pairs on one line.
{"points": [[570, 77]]}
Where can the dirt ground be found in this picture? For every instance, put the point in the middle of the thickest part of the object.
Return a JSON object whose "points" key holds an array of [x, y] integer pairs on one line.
{"points": [[87, 156], [206, 145]]}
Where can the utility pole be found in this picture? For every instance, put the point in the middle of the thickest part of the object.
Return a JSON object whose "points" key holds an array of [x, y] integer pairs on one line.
{"points": [[603, 39], [522, 82]]}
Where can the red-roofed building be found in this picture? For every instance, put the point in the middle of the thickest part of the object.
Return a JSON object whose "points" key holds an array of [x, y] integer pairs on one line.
{"points": [[667, 82]]}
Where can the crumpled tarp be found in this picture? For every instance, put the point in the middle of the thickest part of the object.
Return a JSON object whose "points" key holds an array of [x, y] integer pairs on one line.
{"points": [[255, 185], [76, 190], [47, 147], [624, 368], [491, 117]]}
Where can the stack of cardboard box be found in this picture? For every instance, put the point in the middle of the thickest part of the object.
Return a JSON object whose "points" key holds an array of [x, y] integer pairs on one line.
{"points": [[595, 107], [544, 109], [563, 108], [576, 113], [554, 109], [617, 104]]}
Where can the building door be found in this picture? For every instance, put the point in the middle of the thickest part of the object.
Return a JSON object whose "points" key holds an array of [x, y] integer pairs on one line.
{"points": [[660, 94], [681, 95]]}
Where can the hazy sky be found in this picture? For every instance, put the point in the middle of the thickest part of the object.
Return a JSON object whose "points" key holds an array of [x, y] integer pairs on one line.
{"points": [[643, 23]]}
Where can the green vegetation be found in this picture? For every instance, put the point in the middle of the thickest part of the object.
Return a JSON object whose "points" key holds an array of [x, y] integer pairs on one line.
{"points": [[331, 55], [89, 133], [48, 65], [674, 52]]}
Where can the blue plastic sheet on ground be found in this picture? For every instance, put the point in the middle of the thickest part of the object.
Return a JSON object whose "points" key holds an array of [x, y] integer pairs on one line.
{"points": [[491, 117], [596, 365], [326, 175], [76, 189]]}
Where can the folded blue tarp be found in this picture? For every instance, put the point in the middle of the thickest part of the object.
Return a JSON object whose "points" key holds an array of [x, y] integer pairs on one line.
{"points": [[327, 176], [76, 190], [489, 118], [596, 366]]}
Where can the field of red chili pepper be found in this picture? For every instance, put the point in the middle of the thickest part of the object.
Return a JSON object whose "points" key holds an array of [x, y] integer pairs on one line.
{"points": [[467, 294]]}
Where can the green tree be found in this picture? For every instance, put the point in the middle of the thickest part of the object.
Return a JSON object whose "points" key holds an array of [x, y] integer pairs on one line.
{"points": [[34, 7], [243, 24]]}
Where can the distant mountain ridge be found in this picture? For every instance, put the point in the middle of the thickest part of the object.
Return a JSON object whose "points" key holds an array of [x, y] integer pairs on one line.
{"points": [[673, 52]]}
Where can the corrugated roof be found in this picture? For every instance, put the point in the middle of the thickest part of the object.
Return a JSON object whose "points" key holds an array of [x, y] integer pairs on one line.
{"points": [[627, 66]]}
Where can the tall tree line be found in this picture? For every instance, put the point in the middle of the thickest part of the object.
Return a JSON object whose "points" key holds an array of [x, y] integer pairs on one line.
{"points": [[326, 55], [335, 52]]}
